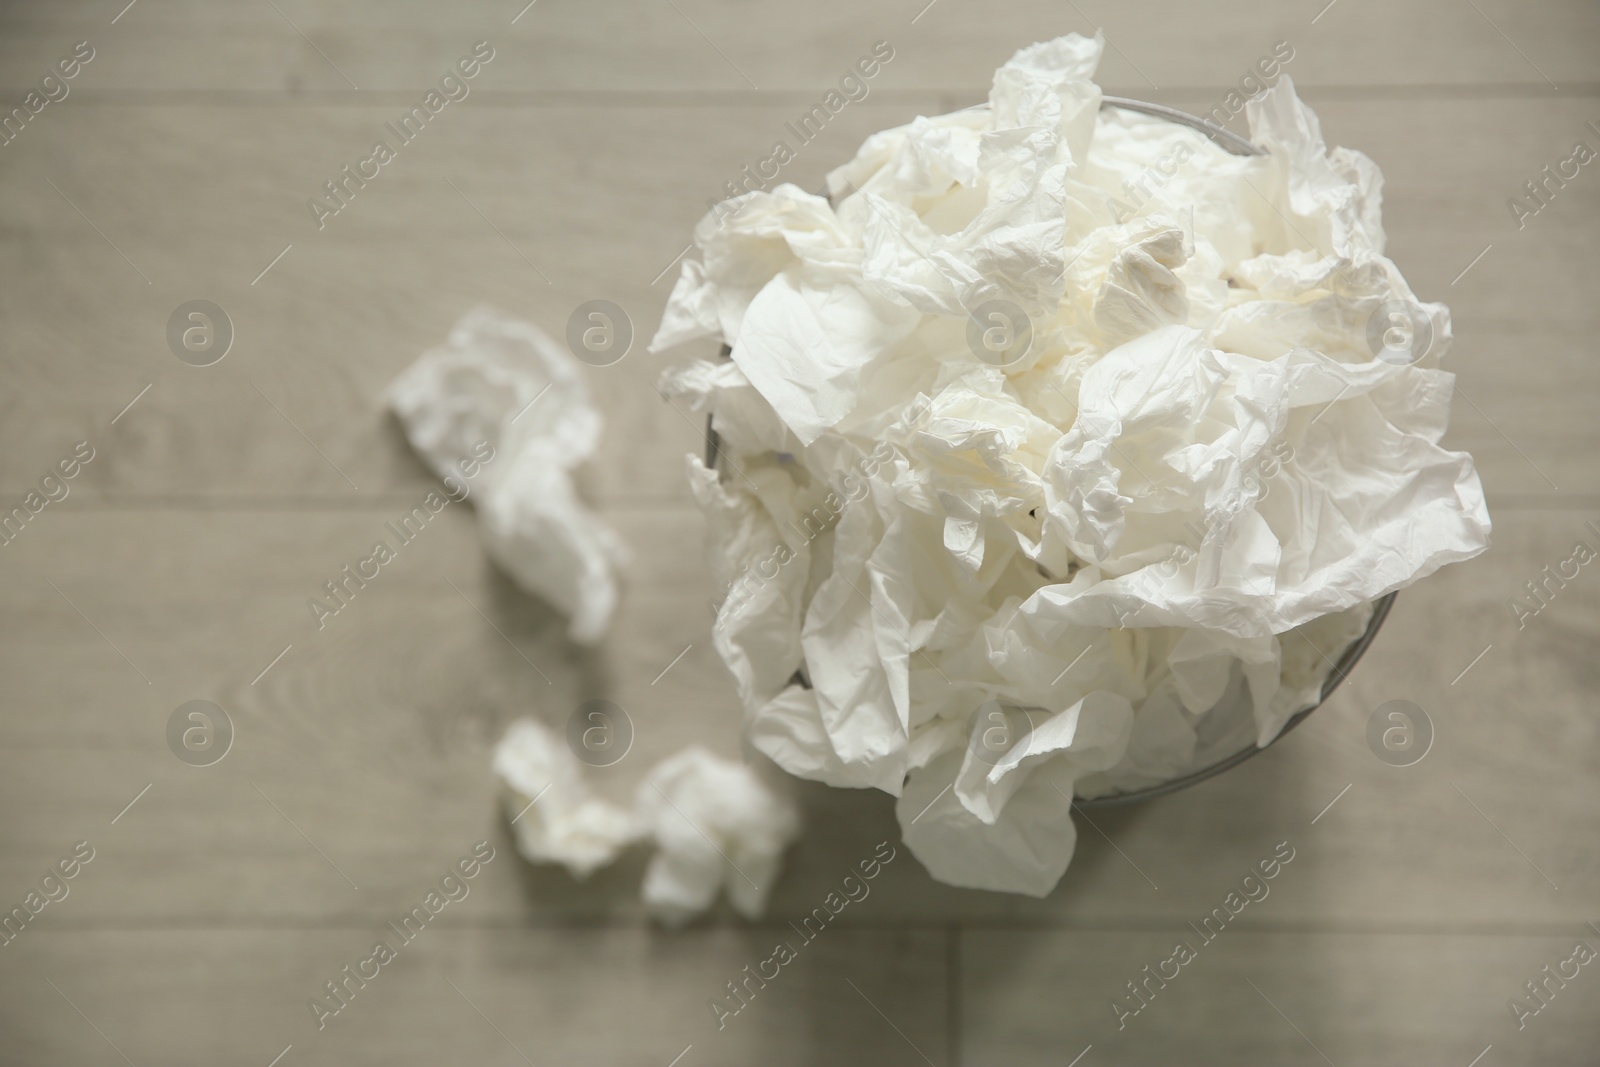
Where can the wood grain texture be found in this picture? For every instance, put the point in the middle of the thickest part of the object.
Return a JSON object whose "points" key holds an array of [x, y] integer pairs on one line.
{"points": [[724, 45], [1317, 998], [1420, 898], [489, 996]]}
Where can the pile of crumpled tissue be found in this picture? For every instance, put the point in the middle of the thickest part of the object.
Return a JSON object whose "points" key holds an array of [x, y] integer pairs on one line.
{"points": [[503, 401], [1032, 485], [715, 825]]}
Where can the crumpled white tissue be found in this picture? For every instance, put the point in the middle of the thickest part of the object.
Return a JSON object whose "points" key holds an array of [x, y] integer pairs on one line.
{"points": [[555, 818], [503, 382], [989, 577], [715, 825]]}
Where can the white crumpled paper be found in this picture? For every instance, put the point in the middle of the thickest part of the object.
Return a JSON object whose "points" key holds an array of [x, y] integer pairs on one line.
{"points": [[1010, 574], [715, 825], [504, 383], [554, 816]]}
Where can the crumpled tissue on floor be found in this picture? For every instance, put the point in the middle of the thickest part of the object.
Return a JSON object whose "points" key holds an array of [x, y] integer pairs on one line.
{"points": [[715, 825], [501, 387], [554, 817], [1013, 572]]}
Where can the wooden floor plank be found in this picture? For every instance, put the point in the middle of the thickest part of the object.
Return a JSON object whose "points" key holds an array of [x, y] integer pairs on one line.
{"points": [[471, 996], [1371, 1000], [727, 46], [321, 335], [373, 736]]}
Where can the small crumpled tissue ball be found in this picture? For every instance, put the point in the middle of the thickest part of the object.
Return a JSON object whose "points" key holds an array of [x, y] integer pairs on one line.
{"points": [[1062, 453], [716, 826], [502, 400], [554, 816], [714, 823]]}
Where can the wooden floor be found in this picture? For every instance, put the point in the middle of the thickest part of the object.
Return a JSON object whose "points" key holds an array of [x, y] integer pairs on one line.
{"points": [[1420, 899]]}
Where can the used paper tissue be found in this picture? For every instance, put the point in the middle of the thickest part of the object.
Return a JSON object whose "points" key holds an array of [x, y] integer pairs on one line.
{"points": [[502, 388], [553, 814], [1026, 492], [715, 825]]}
